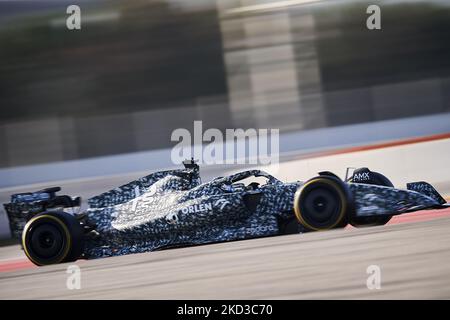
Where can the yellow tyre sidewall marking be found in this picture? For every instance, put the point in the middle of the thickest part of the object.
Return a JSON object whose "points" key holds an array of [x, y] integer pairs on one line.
{"points": [[298, 213], [58, 221]]}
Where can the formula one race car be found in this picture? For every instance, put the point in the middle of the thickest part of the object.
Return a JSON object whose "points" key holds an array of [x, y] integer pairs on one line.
{"points": [[173, 208]]}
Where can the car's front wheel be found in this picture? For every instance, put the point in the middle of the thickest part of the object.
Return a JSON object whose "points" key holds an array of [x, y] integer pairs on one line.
{"points": [[322, 203]]}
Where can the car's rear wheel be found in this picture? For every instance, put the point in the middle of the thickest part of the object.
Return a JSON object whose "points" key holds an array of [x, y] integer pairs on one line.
{"points": [[52, 237], [376, 178], [322, 203]]}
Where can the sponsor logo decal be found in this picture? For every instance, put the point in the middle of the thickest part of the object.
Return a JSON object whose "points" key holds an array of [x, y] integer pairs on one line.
{"points": [[363, 176], [197, 208], [221, 203]]}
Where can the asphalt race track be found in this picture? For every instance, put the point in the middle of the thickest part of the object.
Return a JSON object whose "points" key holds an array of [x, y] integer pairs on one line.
{"points": [[413, 258]]}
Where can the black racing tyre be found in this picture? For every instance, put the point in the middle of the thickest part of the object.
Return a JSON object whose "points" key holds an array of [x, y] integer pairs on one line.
{"points": [[361, 222], [322, 203], [52, 237]]}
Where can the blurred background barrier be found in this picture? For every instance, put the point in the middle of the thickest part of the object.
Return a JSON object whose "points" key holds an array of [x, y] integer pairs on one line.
{"points": [[137, 70]]}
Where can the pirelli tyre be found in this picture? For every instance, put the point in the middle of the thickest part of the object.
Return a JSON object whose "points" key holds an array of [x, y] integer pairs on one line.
{"points": [[52, 237], [376, 178], [323, 203]]}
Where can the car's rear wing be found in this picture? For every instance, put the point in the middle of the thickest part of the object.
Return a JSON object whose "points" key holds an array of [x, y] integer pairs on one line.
{"points": [[24, 206]]}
